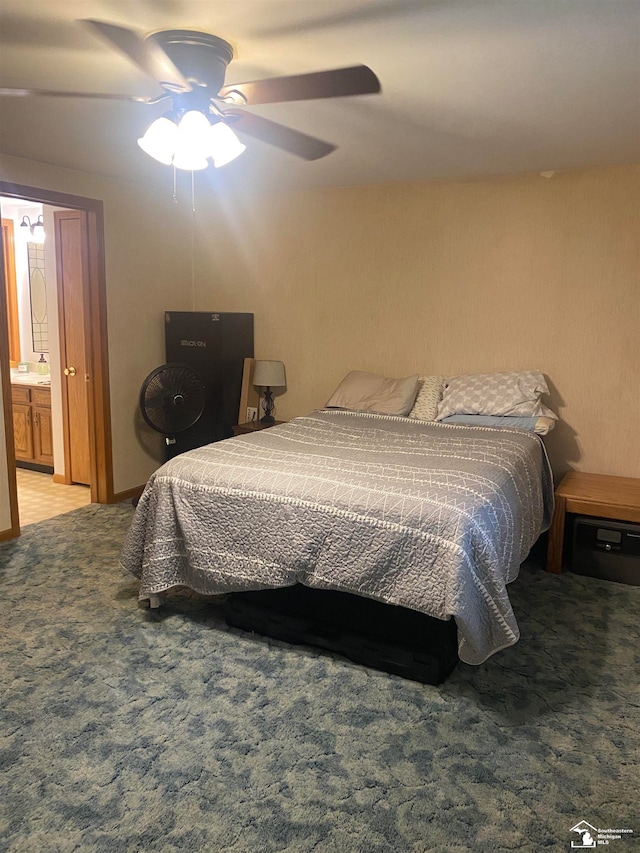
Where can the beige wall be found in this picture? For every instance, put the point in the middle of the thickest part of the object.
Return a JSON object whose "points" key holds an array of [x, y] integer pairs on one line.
{"points": [[503, 274]]}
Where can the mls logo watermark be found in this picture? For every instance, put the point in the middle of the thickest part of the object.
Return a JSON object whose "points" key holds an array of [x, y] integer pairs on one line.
{"points": [[588, 834], [591, 837]]}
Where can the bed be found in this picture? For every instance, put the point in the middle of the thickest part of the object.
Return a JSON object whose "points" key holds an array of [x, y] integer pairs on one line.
{"points": [[429, 516]]}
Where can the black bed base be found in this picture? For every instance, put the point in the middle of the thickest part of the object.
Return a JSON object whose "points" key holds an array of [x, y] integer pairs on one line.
{"points": [[392, 639]]}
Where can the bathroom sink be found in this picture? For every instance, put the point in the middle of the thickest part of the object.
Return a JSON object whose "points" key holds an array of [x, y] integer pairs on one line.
{"points": [[29, 379]]}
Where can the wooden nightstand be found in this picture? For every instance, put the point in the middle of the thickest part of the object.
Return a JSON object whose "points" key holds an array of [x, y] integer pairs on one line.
{"points": [[596, 495], [254, 426]]}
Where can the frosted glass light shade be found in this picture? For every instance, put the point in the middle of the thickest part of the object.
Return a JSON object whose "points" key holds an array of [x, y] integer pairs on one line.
{"points": [[188, 144], [189, 162], [192, 148], [224, 145], [160, 140]]}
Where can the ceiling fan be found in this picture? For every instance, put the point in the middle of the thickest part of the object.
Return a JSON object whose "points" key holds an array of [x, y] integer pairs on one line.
{"points": [[190, 67]]}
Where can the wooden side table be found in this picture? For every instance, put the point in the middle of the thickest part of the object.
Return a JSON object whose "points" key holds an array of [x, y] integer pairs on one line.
{"points": [[253, 426], [597, 495]]}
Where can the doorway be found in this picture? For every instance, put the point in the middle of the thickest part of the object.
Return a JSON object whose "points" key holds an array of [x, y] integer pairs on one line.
{"points": [[43, 265], [80, 327]]}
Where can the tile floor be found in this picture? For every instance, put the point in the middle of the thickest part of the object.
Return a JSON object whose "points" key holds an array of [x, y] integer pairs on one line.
{"points": [[39, 497]]}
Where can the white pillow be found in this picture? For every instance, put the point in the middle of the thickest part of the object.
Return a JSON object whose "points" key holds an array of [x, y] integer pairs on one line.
{"points": [[368, 392], [430, 390], [506, 394]]}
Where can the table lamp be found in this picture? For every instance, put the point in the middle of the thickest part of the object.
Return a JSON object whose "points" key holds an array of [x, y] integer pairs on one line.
{"points": [[268, 375]]}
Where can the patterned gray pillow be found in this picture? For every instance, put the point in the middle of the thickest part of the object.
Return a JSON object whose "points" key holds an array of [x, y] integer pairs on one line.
{"points": [[506, 394], [430, 390]]}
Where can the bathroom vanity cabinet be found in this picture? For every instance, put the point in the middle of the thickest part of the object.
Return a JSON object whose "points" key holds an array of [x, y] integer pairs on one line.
{"points": [[32, 433]]}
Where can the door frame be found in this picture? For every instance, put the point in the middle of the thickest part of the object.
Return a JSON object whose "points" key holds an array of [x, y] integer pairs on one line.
{"points": [[9, 268], [95, 310]]}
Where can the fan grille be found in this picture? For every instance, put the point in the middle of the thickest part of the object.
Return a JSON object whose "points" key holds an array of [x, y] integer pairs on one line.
{"points": [[172, 398]]}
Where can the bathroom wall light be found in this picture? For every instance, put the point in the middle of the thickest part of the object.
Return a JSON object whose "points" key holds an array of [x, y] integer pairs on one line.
{"points": [[36, 228]]}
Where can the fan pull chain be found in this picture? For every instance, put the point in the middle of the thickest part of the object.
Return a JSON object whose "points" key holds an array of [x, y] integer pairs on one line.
{"points": [[193, 242], [175, 191]]}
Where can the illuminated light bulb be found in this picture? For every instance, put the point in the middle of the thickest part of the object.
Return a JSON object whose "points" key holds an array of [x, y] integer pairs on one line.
{"points": [[192, 148], [224, 145], [160, 140]]}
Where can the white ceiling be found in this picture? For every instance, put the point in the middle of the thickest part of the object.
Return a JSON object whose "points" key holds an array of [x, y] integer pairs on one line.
{"points": [[470, 87], [17, 208]]}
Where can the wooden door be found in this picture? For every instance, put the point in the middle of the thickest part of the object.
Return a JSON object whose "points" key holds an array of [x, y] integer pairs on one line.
{"points": [[72, 272], [11, 289]]}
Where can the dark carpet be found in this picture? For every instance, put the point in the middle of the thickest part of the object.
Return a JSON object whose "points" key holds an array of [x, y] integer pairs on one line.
{"points": [[124, 729]]}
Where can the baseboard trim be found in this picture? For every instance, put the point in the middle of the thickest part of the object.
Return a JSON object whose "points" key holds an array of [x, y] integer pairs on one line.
{"points": [[130, 494], [11, 533], [34, 466], [61, 479]]}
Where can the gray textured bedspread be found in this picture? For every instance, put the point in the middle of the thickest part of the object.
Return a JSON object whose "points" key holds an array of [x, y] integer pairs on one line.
{"points": [[434, 517]]}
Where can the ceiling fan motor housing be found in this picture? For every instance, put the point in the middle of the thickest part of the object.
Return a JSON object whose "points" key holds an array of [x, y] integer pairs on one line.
{"points": [[201, 57]]}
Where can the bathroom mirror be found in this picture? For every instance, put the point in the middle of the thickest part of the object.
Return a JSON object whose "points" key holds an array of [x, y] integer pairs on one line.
{"points": [[38, 294]]}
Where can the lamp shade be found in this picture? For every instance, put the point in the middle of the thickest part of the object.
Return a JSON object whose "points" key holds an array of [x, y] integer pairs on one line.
{"points": [[159, 141], [189, 143], [224, 144], [269, 374], [191, 150]]}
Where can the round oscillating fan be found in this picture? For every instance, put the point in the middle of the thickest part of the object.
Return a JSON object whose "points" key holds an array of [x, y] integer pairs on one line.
{"points": [[172, 399]]}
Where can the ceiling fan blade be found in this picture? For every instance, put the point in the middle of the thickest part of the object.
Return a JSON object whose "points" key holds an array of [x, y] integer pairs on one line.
{"points": [[52, 93], [145, 53], [337, 83], [307, 147]]}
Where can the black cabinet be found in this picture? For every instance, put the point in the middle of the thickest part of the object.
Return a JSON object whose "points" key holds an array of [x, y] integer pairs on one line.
{"points": [[215, 345]]}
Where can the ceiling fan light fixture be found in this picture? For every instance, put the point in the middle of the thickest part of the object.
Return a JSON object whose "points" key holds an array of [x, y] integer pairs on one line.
{"points": [[160, 140], [190, 67], [224, 145], [189, 162]]}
